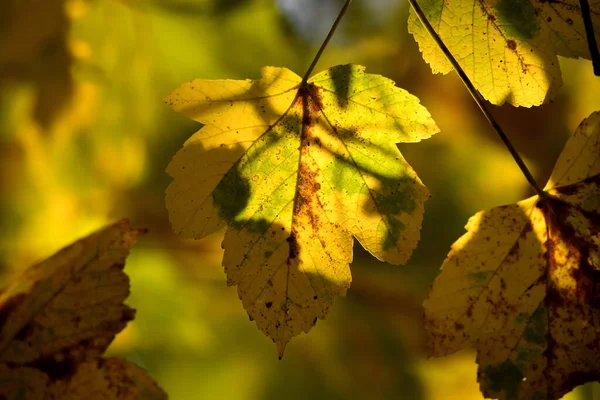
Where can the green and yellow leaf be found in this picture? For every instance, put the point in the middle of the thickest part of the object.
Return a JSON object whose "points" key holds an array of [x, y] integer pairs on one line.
{"points": [[295, 170], [58, 318], [522, 286], [508, 48]]}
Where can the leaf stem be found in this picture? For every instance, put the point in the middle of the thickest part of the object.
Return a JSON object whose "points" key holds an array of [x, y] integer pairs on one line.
{"points": [[478, 98], [325, 42], [591, 38]]}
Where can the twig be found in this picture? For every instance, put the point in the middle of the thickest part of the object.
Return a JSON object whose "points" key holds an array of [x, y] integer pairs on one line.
{"points": [[591, 37], [478, 98], [325, 42]]}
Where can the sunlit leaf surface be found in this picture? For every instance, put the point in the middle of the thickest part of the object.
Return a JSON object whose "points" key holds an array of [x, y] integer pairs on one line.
{"points": [[522, 285], [508, 48], [295, 170]]}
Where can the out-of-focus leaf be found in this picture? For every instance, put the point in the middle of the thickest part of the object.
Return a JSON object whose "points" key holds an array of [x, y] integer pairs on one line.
{"points": [[508, 48], [108, 379], [33, 39], [522, 285], [450, 378], [58, 318], [295, 170], [61, 179]]}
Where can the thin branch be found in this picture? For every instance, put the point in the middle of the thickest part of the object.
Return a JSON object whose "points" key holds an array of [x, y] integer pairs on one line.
{"points": [[591, 37], [325, 42], [478, 98]]}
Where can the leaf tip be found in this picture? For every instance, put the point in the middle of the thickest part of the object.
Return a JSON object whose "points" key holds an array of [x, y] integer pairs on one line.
{"points": [[130, 234], [281, 348]]}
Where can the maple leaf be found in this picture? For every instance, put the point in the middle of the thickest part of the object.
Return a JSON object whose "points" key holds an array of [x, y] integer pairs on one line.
{"points": [[57, 320], [522, 286], [508, 48], [295, 170]]}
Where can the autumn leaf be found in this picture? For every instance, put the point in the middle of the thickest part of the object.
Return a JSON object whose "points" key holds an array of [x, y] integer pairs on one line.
{"points": [[508, 48], [57, 320], [295, 170], [522, 286]]}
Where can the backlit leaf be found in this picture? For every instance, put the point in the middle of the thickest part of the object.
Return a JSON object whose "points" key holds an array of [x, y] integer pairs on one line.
{"points": [[522, 286], [508, 48], [58, 318], [295, 171]]}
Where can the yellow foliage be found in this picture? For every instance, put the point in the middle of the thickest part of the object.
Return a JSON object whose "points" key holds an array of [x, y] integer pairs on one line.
{"points": [[508, 48], [295, 170], [521, 286]]}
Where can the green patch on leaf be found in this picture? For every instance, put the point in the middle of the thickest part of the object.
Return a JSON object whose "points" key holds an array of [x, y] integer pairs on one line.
{"points": [[479, 277], [433, 9], [536, 329], [504, 377], [231, 196], [517, 18]]}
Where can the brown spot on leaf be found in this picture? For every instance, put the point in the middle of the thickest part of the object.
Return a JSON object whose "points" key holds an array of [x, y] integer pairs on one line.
{"points": [[469, 311], [511, 44], [315, 93], [514, 251], [306, 200], [558, 214], [268, 304], [323, 244], [293, 244]]}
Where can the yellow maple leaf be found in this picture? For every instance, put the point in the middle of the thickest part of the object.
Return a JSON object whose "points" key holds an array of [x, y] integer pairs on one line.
{"points": [[508, 48], [59, 317], [522, 286], [295, 170]]}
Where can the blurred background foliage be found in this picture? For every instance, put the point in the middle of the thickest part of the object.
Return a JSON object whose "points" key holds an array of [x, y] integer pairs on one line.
{"points": [[85, 140]]}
